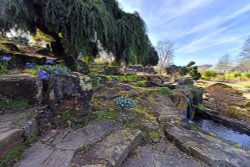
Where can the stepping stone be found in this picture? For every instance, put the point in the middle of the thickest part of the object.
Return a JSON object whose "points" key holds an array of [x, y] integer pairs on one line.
{"points": [[10, 140], [211, 150], [57, 149], [111, 151]]}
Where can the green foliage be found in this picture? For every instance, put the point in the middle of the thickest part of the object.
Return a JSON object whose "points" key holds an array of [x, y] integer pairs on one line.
{"points": [[12, 156], [165, 91], [191, 64], [193, 71], [6, 103], [106, 115], [155, 136], [79, 24], [141, 83], [124, 103], [246, 75], [200, 107], [3, 67], [88, 59], [233, 75], [42, 37], [210, 74], [70, 119], [15, 154]]}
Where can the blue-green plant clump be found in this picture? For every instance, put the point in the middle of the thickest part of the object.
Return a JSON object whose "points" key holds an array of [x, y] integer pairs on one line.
{"points": [[124, 103]]}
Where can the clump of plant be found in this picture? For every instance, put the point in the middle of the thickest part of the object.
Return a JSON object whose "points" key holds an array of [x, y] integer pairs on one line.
{"points": [[4, 64], [125, 103], [193, 71], [246, 75], [155, 136], [165, 91], [46, 71], [210, 74], [200, 106], [233, 75], [3, 67]]}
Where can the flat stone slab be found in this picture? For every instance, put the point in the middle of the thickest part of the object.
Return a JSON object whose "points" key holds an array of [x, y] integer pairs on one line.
{"points": [[162, 154], [10, 140], [111, 151], [6, 121], [211, 150], [58, 148]]}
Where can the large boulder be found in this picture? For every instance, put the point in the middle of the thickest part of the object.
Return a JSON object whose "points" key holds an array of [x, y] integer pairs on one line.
{"points": [[187, 98], [21, 87], [70, 93]]}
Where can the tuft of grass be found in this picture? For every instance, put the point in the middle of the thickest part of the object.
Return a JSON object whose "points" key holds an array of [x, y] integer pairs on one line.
{"points": [[155, 136], [165, 91], [15, 154], [12, 156]]}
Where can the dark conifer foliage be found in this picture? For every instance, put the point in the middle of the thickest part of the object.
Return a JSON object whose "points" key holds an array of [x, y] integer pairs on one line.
{"points": [[76, 25]]}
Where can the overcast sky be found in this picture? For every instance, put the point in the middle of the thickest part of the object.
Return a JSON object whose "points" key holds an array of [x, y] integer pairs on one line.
{"points": [[202, 30]]}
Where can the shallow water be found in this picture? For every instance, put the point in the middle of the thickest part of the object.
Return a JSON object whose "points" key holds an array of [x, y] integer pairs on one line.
{"points": [[209, 126]]}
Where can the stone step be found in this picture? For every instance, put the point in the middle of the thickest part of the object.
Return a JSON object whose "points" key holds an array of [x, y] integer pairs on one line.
{"points": [[58, 148], [211, 150], [111, 151], [10, 140]]}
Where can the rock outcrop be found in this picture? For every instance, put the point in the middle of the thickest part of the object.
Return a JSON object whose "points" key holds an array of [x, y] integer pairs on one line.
{"points": [[70, 93]]}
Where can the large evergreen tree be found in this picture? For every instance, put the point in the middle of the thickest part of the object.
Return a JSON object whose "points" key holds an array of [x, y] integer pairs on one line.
{"points": [[77, 25]]}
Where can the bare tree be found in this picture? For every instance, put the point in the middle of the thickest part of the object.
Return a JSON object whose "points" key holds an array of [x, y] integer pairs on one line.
{"points": [[165, 51], [224, 64], [244, 62]]}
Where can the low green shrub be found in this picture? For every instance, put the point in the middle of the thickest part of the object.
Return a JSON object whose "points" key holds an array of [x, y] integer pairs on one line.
{"points": [[233, 75], [165, 91], [245, 75], [210, 74]]}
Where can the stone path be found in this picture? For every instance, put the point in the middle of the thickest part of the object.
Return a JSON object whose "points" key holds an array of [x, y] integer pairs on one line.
{"points": [[111, 151], [57, 149], [6, 121], [10, 135], [162, 154]]}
